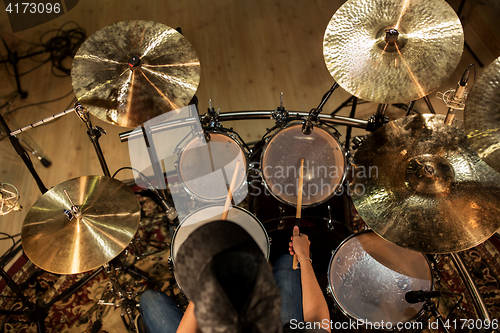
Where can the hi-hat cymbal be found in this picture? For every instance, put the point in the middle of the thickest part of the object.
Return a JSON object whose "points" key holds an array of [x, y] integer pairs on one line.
{"points": [[419, 185], [482, 116], [63, 240], [132, 71], [397, 66]]}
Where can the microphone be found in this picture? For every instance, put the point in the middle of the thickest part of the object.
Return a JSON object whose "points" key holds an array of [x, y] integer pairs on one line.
{"points": [[169, 210], [456, 102], [413, 297]]}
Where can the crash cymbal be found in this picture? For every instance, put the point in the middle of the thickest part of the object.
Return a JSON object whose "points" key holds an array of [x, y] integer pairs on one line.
{"points": [[132, 71], [481, 116], [395, 66], [419, 185], [63, 239]]}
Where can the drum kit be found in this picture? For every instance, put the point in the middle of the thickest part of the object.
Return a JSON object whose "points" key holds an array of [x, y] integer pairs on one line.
{"points": [[422, 186]]}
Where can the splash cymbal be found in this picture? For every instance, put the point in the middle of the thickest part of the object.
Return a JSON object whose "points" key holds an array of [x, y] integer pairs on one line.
{"points": [[392, 51], [133, 71], [80, 224], [419, 185], [481, 116]]}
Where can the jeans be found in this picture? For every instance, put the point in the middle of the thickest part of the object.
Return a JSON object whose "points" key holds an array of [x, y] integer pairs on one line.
{"points": [[161, 315]]}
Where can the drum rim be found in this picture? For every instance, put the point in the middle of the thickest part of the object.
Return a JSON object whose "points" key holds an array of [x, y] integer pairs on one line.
{"points": [[177, 228], [340, 305], [338, 186], [197, 196]]}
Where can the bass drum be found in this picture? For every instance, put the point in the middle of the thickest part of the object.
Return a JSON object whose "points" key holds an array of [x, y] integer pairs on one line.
{"points": [[368, 278]]}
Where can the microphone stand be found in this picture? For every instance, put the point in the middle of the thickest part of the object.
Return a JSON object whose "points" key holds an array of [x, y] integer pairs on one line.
{"points": [[94, 134], [24, 155], [314, 113]]}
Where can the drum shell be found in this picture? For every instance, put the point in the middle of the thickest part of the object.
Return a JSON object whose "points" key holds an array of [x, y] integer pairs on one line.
{"points": [[367, 293]]}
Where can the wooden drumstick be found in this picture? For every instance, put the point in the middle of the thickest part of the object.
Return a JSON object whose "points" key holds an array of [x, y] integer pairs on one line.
{"points": [[299, 207], [230, 191]]}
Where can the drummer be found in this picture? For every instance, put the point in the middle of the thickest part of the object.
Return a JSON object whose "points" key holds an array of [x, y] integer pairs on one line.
{"points": [[224, 273]]}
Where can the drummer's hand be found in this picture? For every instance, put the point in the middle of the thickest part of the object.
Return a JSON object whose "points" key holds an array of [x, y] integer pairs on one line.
{"points": [[299, 244]]}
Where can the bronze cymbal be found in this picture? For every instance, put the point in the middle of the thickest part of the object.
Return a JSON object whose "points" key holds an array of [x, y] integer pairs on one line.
{"points": [[481, 116], [104, 220], [133, 71], [392, 67], [418, 184]]}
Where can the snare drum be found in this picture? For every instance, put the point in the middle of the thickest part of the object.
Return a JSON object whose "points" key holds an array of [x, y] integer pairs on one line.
{"points": [[324, 165], [236, 214], [368, 278], [206, 168]]}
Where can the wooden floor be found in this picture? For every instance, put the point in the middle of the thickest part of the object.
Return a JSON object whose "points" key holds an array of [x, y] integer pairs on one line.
{"points": [[250, 51]]}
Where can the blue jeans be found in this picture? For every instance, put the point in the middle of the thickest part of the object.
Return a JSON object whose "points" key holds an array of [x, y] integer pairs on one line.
{"points": [[161, 315]]}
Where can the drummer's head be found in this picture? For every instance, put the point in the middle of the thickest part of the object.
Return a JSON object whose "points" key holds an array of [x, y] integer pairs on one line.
{"points": [[224, 272]]}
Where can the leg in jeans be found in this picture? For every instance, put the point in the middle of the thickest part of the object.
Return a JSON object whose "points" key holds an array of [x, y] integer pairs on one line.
{"points": [[288, 281], [159, 312]]}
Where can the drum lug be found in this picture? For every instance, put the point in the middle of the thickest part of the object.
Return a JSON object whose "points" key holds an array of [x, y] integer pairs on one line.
{"points": [[170, 264], [330, 224], [281, 224]]}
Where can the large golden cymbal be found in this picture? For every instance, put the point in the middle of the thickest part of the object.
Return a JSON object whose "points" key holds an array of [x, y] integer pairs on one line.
{"points": [[108, 84], [427, 50], [106, 220], [482, 115], [419, 185]]}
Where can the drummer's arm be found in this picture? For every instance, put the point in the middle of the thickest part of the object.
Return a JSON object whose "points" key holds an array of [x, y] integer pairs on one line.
{"points": [[188, 323], [314, 304]]}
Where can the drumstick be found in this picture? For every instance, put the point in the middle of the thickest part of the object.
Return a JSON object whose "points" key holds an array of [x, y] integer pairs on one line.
{"points": [[230, 191], [299, 206]]}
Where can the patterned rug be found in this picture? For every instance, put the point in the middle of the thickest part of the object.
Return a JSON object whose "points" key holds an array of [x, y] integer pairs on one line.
{"points": [[96, 307]]}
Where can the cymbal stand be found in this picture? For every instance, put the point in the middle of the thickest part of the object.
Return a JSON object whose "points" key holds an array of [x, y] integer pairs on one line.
{"points": [[24, 155], [126, 299], [94, 134]]}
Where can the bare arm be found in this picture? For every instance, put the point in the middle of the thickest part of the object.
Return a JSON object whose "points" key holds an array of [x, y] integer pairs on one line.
{"points": [[313, 302], [188, 323]]}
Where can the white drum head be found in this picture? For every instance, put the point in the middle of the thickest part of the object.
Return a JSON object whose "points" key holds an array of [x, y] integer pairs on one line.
{"points": [[206, 169], [370, 276], [236, 214]]}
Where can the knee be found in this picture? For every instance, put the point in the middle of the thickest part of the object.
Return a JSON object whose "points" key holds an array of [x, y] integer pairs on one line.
{"points": [[150, 297]]}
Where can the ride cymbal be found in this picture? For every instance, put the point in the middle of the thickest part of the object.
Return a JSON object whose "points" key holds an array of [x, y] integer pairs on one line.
{"points": [[133, 71], [400, 65], [80, 224], [419, 185], [482, 116]]}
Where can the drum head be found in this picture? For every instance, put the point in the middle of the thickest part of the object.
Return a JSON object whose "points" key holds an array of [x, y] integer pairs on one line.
{"points": [[238, 215], [370, 276], [324, 165], [206, 169]]}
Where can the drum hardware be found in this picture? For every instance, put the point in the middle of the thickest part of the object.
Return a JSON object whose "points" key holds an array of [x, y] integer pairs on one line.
{"points": [[329, 224], [94, 134], [281, 209], [280, 115], [116, 87], [392, 73], [307, 127], [481, 115], [24, 155], [427, 182]]}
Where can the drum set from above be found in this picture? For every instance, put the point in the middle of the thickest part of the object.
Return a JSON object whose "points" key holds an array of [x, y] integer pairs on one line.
{"points": [[423, 184]]}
